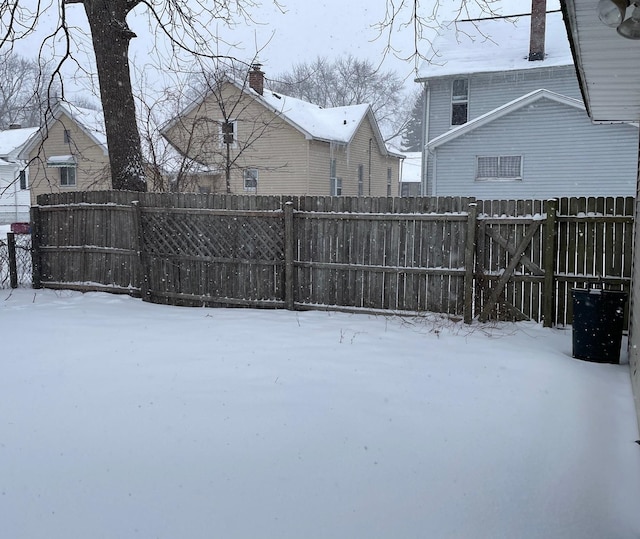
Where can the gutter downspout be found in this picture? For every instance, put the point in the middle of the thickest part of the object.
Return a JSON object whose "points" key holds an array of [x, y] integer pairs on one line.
{"points": [[370, 144], [308, 166], [425, 137], [16, 183], [434, 181]]}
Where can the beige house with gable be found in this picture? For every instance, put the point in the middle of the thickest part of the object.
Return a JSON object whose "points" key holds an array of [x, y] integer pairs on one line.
{"points": [[271, 144], [69, 153]]}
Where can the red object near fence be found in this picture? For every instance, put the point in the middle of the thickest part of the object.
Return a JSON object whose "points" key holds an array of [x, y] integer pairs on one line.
{"points": [[21, 228]]}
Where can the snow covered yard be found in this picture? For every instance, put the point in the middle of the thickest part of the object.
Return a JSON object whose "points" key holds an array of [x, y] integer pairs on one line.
{"points": [[121, 419]]}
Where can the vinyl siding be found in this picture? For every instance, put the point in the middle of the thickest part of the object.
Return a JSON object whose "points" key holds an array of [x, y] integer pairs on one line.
{"points": [[320, 154], [287, 162], [92, 170], [488, 91], [573, 157], [265, 142], [14, 202], [363, 145]]}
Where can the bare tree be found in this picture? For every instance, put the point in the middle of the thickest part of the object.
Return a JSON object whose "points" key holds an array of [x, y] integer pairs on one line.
{"points": [[349, 81], [24, 88], [423, 20], [220, 130], [185, 24], [216, 133], [166, 168]]}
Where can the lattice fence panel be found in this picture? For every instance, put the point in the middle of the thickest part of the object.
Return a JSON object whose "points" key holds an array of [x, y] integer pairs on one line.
{"points": [[207, 257]]}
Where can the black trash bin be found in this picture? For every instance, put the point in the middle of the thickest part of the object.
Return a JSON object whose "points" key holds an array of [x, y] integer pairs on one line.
{"points": [[598, 318]]}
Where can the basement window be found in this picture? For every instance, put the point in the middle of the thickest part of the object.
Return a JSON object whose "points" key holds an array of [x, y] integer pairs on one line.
{"points": [[502, 167]]}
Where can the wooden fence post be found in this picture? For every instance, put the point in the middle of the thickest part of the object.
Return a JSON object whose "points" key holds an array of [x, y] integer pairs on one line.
{"points": [[469, 262], [549, 261], [144, 272], [288, 255], [13, 266], [36, 252]]}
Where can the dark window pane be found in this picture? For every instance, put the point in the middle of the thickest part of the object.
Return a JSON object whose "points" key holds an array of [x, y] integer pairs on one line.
{"points": [[458, 113]]}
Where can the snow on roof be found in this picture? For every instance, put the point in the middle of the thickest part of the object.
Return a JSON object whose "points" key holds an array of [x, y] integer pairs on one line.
{"points": [[61, 160], [337, 124], [11, 140], [491, 45], [333, 124], [92, 121], [412, 167]]}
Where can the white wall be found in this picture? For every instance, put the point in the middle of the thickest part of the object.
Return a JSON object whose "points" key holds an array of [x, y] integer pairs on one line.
{"points": [[14, 202], [563, 153]]}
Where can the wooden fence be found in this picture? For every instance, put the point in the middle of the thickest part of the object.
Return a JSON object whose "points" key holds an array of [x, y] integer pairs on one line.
{"points": [[458, 256]]}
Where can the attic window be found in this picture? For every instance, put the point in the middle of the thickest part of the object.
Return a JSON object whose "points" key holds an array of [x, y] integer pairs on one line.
{"points": [[227, 133]]}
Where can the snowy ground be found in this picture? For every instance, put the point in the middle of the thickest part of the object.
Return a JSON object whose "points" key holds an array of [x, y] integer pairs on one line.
{"points": [[121, 419]]}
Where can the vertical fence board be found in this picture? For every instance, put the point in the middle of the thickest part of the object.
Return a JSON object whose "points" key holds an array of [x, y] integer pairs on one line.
{"points": [[386, 259]]}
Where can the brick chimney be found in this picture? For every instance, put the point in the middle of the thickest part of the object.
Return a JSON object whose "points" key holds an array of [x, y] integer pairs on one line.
{"points": [[256, 78], [538, 24]]}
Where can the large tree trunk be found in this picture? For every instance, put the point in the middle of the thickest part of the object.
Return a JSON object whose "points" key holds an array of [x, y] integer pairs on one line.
{"points": [[111, 36]]}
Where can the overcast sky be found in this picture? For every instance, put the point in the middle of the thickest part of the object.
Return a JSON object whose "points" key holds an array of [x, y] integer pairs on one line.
{"points": [[334, 27], [306, 29]]}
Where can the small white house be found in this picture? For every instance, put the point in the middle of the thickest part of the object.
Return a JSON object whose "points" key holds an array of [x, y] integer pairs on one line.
{"points": [[411, 175], [14, 175]]}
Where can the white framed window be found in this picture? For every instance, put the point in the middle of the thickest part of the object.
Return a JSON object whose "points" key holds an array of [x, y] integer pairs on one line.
{"points": [[336, 187], [250, 176], [67, 166], [360, 180], [389, 175], [499, 167], [68, 176], [459, 101], [335, 183], [228, 133]]}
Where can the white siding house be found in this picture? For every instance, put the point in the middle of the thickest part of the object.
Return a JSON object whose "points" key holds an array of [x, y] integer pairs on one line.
{"points": [[14, 175], [499, 125]]}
